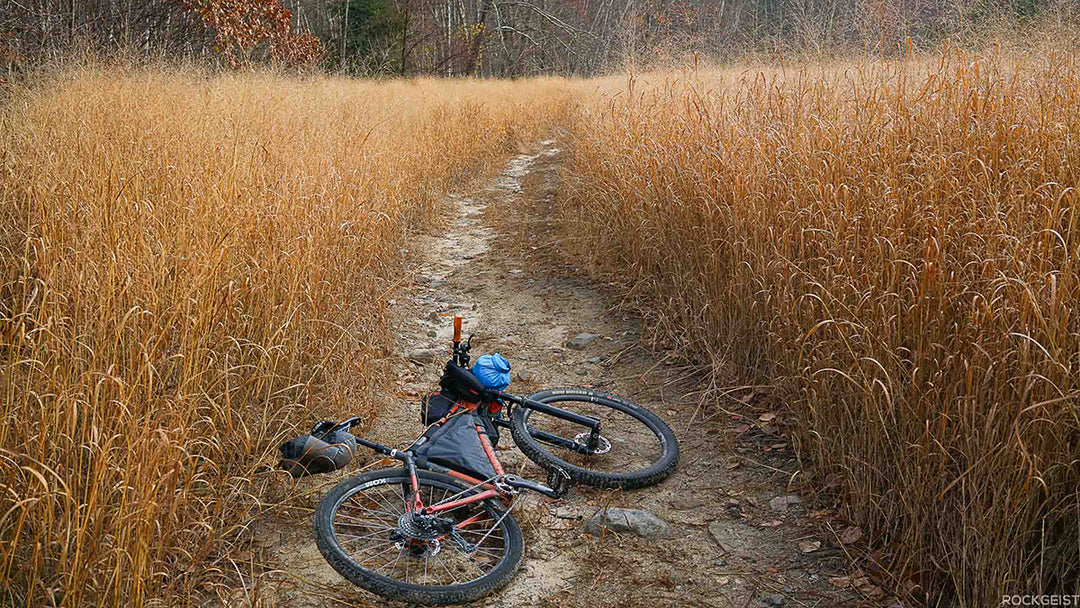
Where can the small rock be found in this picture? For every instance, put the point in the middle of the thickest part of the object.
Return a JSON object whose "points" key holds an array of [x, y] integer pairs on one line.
{"points": [[788, 589], [634, 521], [582, 341], [516, 271], [582, 372], [432, 333], [525, 375], [718, 532], [595, 360], [434, 317], [780, 503], [437, 283], [392, 302], [773, 599], [426, 355]]}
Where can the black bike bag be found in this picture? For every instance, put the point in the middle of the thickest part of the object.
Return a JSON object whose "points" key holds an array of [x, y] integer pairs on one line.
{"points": [[461, 383], [455, 444]]}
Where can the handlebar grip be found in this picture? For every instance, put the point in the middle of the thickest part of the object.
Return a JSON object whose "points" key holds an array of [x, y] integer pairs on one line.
{"points": [[457, 328]]}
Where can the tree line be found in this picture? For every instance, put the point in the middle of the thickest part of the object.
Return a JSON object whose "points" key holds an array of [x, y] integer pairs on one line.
{"points": [[497, 38]]}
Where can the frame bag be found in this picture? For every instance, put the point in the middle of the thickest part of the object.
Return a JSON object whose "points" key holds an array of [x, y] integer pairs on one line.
{"points": [[455, 444]]}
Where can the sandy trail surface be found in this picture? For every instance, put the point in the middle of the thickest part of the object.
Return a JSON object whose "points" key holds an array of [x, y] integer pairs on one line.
{"points": [[497, 262]]}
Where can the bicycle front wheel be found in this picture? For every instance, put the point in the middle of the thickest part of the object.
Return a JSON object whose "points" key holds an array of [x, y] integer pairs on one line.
{"points": [[636, 448], [360, 530]]}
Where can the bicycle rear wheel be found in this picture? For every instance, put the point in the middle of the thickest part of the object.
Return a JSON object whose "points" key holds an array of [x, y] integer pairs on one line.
{"points": [[637, 448], [359, 530]]}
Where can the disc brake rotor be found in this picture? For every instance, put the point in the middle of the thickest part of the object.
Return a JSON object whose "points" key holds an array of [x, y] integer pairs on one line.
{"points": [[603, 447]]}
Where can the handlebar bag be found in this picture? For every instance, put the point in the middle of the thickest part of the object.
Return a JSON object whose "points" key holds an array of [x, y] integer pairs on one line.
{"points": [[493, 371], [456, 445], [461, 383]]}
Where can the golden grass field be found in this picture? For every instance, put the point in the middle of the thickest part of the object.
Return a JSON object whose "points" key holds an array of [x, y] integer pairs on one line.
{"points": [[190, 261], [893, 249]]}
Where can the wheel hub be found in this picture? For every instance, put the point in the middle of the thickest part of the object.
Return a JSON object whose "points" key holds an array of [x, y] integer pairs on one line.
{"points": [[413, 526], [603, 446]]}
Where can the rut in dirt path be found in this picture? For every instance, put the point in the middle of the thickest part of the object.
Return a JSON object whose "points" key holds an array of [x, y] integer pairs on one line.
{"points": [[497, 263]]}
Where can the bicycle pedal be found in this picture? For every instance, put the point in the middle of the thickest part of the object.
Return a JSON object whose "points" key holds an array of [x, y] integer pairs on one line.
{"points": [[559, 481]]}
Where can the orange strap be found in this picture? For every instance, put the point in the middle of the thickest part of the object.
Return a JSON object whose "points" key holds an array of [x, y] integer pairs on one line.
{"points": [[457, 328]]}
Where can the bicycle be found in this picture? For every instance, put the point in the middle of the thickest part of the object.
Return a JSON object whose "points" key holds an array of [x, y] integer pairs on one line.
{"points": [[439, 530]]}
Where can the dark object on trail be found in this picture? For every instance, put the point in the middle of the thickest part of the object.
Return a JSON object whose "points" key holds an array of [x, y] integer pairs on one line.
{"points": [[326, 449]]}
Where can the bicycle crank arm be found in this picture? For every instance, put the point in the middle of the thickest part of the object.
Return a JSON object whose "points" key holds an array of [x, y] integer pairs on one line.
{"points": [[518, 482]]}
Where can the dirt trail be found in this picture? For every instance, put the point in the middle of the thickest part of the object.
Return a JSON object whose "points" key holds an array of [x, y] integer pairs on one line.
{"points": [[497, 264]]}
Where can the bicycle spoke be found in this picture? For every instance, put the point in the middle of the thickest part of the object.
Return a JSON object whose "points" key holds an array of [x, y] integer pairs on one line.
{"points": [[394, 564], [392, 546], [391, 513], [355, 538], [368, 524], [448, 571]]}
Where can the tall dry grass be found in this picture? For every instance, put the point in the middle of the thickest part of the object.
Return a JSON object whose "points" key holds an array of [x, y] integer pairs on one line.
{"points": [[896, 248], [192, 266]]}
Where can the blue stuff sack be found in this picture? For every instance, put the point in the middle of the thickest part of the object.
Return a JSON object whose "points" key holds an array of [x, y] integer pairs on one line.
{"points": [[493, 371]]}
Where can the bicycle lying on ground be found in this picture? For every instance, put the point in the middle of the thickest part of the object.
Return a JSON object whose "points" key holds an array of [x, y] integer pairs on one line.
{"points": [[439, 530]]}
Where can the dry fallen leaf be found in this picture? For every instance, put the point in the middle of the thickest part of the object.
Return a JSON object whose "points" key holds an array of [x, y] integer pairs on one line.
{"points": [[851, 535], [809, 547], [741, 428], [840, 581], [712, 431], [778, 446], [723, 580], [767, 416], [873, 591], [672, 412]]}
